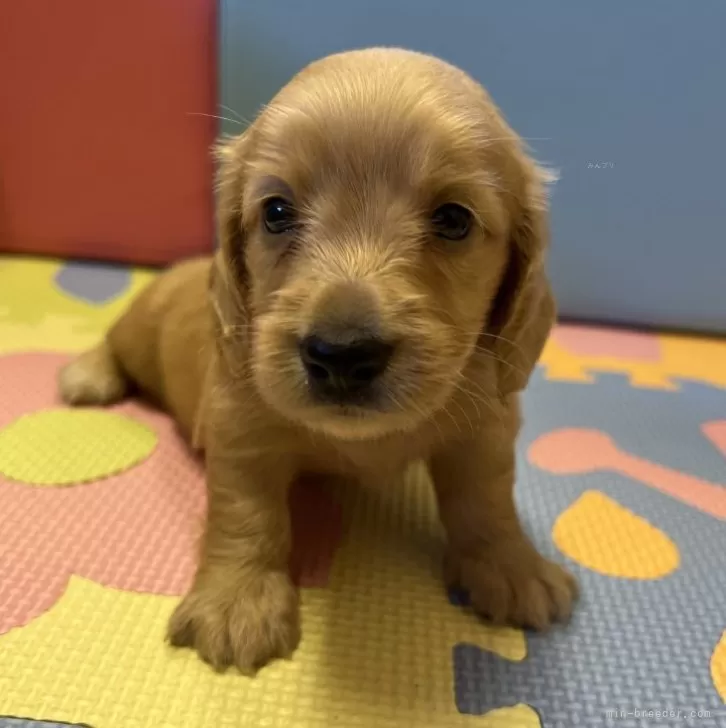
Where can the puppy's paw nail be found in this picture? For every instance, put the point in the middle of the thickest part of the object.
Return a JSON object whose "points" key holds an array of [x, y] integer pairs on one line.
{"points": [[518, 587], [247, 626]]}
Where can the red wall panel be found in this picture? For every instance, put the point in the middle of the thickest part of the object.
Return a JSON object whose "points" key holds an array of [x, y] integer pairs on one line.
{"points": [[104, 149]]}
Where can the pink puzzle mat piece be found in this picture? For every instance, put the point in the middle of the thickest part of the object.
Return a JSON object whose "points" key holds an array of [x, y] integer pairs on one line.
{"points": [[592, 341], [577, 451], [137, 530]]}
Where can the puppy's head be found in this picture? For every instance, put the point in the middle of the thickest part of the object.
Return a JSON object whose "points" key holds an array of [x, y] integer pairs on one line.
{"points": [[382, 228]]}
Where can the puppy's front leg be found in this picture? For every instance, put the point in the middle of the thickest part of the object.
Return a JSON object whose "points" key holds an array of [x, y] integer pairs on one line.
{"points": [[243, 608], [489, 555]]}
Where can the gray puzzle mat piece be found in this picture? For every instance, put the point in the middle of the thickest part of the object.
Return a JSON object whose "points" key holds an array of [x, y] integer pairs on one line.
{"points": [[93, 282], [631, 644], [636, 418]]}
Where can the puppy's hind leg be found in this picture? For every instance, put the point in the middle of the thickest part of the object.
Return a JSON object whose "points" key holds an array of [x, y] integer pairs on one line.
{"points": [[93, 378]]}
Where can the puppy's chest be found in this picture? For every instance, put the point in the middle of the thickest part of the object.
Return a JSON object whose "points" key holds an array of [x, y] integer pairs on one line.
{"points": [[373, 462]]}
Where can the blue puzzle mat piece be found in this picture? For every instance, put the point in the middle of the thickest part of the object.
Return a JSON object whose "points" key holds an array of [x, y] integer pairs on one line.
{"points": [[658, 425], [632, 645], [93, 282]]}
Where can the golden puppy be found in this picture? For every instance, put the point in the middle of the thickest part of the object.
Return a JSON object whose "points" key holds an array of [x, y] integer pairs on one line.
{"points": [[378, 298]]}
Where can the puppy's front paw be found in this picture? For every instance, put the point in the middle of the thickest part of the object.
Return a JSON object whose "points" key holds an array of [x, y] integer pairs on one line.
{"points": [[94, 378], [513, 584], [246, 626]]}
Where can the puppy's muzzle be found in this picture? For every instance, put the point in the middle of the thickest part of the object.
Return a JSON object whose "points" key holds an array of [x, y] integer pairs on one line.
{"points": [[344, 373]]}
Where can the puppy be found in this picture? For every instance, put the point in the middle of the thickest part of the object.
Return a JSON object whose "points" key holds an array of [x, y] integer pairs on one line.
{"points": [[378, 299]]}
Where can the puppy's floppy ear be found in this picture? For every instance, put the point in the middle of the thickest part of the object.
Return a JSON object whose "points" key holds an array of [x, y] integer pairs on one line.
{"points": [[228, 277], [524, 309], [229, 155]]}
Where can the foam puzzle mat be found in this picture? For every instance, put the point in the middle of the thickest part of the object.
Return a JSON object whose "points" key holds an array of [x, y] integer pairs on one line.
{"points": [[622, 475]]}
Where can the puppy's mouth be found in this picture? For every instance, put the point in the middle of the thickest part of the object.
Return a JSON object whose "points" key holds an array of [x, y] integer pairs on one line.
{"points": [[346, 376], [356, 382]]}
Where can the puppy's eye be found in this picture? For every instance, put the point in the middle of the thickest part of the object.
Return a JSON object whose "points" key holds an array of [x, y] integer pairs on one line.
{"points": [[278, 215], [451, 221]]}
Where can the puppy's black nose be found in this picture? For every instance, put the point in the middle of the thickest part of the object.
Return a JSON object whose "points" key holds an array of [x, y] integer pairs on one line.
{"points": [[343, 369]]}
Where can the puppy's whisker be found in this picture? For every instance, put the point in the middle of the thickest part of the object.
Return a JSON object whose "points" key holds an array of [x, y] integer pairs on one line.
{"points": [[499, 337], [214, 116], [241, 329], [473, 399], [470, 397], [234, 113], [489, 354], [515, 138], [464, 413], [483, 396], [485, 334], [413, 404]]}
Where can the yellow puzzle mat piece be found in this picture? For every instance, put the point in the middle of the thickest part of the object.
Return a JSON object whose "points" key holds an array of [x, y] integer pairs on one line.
{"points": [[99, 657], [681, 357], [376, 651], [37, 315]]}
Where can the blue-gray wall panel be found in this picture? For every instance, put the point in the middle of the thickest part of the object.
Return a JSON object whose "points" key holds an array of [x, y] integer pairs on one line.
{"points": [[639, 87]]}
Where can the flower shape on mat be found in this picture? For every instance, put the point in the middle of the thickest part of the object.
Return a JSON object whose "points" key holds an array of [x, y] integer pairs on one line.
{"points": [[135, 529]]}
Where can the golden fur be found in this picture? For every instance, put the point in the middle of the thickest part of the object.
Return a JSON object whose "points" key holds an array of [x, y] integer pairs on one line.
{"points": [[365, 145]]}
